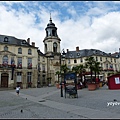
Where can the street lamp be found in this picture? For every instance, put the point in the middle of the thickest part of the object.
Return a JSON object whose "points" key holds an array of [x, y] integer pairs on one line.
{"points": [[61, 56]]}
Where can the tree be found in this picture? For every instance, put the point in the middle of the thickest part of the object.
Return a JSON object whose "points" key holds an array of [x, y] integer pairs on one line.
{"points": [[58, 73], [97, 68], [65, 69], [79, 69], [90, 63]]}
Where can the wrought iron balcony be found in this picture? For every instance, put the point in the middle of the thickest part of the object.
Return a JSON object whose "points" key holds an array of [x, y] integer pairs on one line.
{"points": [[7, 65]]}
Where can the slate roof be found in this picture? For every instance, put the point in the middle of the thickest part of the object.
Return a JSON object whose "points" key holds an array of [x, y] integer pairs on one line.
{"points": [[40, 53], [87, 53], [5, 39]]}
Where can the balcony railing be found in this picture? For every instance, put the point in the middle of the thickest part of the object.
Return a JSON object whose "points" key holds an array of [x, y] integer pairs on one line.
{"points": [[109, 69], [7, 66], [29, 67]]}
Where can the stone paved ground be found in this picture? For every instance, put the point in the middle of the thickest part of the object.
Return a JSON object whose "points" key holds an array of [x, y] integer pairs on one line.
{"points": [[47, 103]]}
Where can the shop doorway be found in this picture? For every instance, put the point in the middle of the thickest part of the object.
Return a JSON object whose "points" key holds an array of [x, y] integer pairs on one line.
{"points": [[4, 80]]}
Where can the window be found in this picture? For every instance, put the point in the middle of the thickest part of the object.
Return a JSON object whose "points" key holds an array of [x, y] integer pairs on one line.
{"points": [[29, 62], [23, 42], [12, 61], [106, 58], [70, 54], [29, 51], [75, 61], [19, 77], [68, 61], [38, 58], [54, 47], [111, 59], [53, 32], [19, 50], [43, 59], [5, 60], [111, 66], [115, 60], [106, 66], [43, 68], [19, 62], [96, 58], [78, 54], [6, 48], [29, 76], [100, 58], [5, 39], [39, 67], [81, 60]]}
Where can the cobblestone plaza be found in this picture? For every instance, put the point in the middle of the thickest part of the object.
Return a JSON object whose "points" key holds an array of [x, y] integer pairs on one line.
{"points": [[46, 103]]}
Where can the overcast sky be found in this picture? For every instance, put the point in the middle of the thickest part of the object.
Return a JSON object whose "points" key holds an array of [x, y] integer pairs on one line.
{"points": [[87, 24]]}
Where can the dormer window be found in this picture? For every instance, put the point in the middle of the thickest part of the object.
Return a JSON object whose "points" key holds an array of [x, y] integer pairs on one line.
{"points": [[70, 54], [78, 54], [23, 42], [5, 39], [6, 48]]}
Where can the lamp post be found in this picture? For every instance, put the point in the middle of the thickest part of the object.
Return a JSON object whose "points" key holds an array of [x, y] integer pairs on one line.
{"points": [[63, 53]]}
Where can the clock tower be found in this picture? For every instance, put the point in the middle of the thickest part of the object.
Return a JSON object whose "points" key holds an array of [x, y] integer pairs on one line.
{"points": [[52, 52], [51, 41]]}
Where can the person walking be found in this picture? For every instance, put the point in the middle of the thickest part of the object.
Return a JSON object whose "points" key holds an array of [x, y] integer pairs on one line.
{"points": [[17, 89]]}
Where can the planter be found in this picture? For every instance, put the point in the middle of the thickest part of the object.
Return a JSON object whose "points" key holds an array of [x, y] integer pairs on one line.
{"points": [[100, 84], [91, 86], [97, 85], [57, 85]]}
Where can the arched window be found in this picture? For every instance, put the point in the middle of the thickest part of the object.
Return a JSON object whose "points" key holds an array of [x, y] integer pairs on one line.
{"points": [[6, 48], [53, 32], [29, 51], [5, 60], [45, 47], [55, 47], [19, 50]]}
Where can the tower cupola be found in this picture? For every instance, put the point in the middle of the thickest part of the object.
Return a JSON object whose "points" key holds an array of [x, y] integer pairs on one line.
{"points": [[51, 30], [51, 40]]}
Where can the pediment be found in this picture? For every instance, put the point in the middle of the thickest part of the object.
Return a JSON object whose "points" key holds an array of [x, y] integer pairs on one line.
{"points": [[107, 61], [7, 53]]}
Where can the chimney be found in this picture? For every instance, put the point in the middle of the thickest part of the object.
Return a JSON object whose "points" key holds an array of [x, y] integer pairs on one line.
{"points": [[77, 48], [67, 50], [33, 44], [28, 40]]}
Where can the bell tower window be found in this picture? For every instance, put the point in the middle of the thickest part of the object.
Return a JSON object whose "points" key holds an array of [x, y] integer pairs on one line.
{"points": [[45, 47], [55, 47], [53, 32]]}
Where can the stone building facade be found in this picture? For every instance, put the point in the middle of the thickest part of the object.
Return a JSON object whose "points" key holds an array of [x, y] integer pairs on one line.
{"points": [[18, 62]]}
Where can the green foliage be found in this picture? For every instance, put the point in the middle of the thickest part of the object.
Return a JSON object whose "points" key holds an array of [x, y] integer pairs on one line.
{"points": [[93, 65]]}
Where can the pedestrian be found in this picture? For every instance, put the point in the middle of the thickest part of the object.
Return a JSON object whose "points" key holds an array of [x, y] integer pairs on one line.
{"points": [[17, 89]]}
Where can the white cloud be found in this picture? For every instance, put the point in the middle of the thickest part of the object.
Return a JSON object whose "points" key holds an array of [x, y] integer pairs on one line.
{"points": [[85, 31]]}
